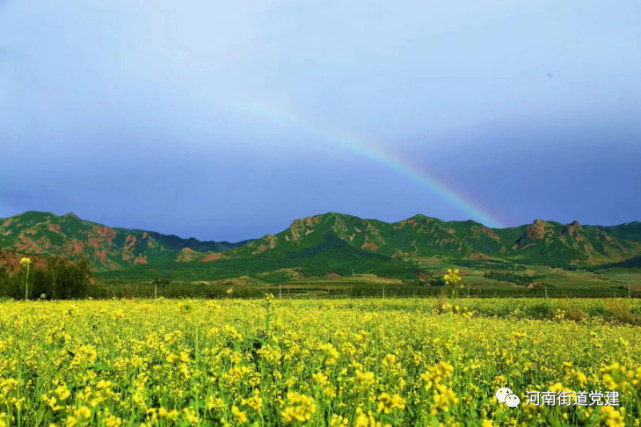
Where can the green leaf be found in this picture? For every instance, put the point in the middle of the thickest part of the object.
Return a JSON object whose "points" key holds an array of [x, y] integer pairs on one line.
{"points": [[101, 367]]}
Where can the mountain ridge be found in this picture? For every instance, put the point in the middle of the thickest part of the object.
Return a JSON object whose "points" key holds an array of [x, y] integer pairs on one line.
{"points": [[43, 233], [421, 235], [110, 248]]}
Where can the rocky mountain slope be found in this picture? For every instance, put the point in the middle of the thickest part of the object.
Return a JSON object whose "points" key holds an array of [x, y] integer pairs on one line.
{"points": [[11, 260], [107, 248], [541, 241], [42, 233]]}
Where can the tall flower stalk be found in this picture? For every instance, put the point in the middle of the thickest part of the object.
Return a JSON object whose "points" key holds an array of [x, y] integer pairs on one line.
{"points": [[452, 278], [27, 262]]}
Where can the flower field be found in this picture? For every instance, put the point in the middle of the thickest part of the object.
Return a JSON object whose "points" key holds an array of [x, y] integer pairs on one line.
{"points": [[412, 362]]}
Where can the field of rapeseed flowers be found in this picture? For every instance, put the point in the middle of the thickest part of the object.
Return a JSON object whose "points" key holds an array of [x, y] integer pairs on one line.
{"points": [[415, 362]]}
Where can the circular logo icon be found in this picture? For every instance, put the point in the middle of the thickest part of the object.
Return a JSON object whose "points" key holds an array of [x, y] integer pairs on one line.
{"points": [[512, 401], [502, 393]]}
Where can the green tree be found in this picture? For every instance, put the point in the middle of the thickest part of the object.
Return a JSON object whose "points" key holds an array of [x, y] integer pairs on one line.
{"points": [[69, 281], [160, 282], [5, 282]]}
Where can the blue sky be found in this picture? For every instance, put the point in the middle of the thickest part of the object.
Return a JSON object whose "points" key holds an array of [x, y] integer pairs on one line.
{"points": [[227, 120]]}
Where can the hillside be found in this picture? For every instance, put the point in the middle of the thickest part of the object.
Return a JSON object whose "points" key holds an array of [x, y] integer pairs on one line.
{"points": [[11, 260], [419, 235], [630, 263], [311, 243], [42, 233], [542, 241], [330, 256], [634, 262]]}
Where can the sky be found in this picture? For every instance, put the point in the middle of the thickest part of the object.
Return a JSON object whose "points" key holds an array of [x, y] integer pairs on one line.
{"points": [[228, 120]]}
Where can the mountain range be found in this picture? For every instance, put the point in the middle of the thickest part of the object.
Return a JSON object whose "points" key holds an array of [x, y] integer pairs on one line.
{"points": [[112, 248], [67, 236]]}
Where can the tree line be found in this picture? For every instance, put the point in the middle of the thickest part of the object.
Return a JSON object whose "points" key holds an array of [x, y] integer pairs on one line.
{"points": [[511, 277], [57, 280]]}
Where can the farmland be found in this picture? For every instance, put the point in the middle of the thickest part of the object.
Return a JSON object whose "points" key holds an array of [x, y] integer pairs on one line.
{"points": [[559, 283], [353, 362]]}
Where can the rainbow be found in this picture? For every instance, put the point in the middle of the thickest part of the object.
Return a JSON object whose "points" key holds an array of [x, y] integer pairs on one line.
{"points": [[379, 155]]}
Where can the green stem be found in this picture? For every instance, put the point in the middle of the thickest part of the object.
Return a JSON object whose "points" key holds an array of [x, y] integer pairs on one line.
{"points": [[197, 340], [26, 285]]}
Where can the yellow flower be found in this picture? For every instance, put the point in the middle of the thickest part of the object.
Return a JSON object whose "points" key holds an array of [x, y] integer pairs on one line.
{"points": [[452, 277], [25, 261], [82, 412], [301, 408], [390, 359], [330, 355], [387, 403], [338, 421], [443, 397], [366, 379], [335, 362], [254, 402], [437, 374], [611, 417]]}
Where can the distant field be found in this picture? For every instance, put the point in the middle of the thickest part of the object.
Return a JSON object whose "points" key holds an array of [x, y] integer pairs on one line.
{"points": [[295, 282]]}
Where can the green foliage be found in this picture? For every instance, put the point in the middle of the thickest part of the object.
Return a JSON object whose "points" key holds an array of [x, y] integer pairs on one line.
{"points": [[175, 243], [504, 265], [161, 282], [511, 277], [331, 255], [58, 280], [629, 263], [175, 289], [317, 246], [630, 231], [6, 284], [438, 281]]}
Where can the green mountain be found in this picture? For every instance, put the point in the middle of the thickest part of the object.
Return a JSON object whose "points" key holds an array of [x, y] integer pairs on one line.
{"points": [[329, 256], [107, 248], [630, 263], [10, 260], [329, 243], [634, 262], [542, 241]]}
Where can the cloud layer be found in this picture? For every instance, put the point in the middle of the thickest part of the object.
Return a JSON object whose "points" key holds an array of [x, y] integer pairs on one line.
{"points": [[135, 113]]}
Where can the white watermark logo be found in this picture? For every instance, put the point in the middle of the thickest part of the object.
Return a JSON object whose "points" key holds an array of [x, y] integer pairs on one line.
{"points": [[560, 398], [505, 395], [572, 398]]}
